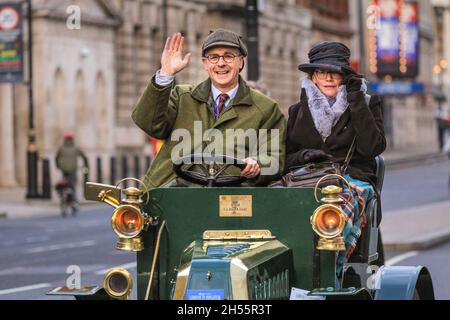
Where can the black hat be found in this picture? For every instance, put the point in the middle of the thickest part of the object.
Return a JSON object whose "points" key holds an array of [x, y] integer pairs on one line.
{"points": [[226, 38], [328, 55]]}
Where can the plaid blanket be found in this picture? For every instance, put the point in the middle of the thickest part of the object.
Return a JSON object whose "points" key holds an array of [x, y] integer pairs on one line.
{"points": [[355, 201]]}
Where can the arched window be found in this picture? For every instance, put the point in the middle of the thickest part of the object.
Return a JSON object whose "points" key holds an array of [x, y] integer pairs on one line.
{"points": [[101, 112], [81, 112], [60, 107]]}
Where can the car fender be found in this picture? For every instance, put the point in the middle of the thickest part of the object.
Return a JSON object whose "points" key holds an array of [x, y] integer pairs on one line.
{"points": [[401, 282]]}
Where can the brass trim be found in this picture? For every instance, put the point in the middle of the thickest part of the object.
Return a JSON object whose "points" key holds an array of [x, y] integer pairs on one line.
{"points": [[238, 276], [331, 189], [237, 234], [252, 245], [132, 196], [181, 283], [113, 202], [155, 257], [245, 261], [124, 295], [101, 192], [127, 244], [235, 206], [335, 244]]}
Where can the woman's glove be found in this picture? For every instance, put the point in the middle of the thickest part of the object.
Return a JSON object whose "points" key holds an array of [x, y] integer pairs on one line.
{"points": [[353, 82], [315, 155]]}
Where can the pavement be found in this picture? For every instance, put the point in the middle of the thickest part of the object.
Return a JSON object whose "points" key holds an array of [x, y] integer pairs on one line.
{"points": [[407, 229]]}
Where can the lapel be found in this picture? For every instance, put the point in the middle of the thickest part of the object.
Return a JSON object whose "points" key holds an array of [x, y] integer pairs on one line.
{"points": [[227, 115], [341, 123], [202, 93], [304, 127], [242, 97]]}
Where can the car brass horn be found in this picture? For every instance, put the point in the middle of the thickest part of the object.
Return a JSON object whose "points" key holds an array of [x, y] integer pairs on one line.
{"points": [[128, 220], [328, 220], [118, 283]]}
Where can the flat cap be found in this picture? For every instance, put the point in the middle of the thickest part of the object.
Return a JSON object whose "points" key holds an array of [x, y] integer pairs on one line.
{"points": [[224, 38]]}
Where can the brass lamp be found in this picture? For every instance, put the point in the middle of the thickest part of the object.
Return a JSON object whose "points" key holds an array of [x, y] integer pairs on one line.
{"points": [[128, 220], [328, 220], [118, 283]]}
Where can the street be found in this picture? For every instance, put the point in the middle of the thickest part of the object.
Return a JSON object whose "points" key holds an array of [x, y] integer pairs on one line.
{"points": [[414, 186], [36, 253], [417, 185]]}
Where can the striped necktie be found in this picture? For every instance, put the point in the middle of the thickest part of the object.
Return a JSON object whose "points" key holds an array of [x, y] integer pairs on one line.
{"points": [[223, 97]]}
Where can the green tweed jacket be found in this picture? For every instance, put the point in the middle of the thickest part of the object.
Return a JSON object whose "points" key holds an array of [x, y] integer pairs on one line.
{"points": [[168, 113]]}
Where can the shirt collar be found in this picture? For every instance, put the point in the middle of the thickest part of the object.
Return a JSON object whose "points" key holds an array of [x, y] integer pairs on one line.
{"points": [[231, 93]]}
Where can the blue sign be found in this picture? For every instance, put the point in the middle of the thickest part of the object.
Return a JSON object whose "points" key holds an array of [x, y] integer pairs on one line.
{"points": [[11, 51], [205, 294], [396, 88], [397, 39]]}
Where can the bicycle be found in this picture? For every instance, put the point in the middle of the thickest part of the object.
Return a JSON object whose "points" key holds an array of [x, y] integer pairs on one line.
{"points": [[66, 193]]}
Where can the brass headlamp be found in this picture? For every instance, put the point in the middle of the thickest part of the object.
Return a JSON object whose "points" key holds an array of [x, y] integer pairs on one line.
{"points": [[128, 220], [328, 220], [118, 283]]}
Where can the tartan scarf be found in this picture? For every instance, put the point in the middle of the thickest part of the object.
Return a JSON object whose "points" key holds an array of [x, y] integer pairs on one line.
{"points": [[355, 202]]}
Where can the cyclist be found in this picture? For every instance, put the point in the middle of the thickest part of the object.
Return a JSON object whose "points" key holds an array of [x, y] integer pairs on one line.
{"points": [[66, 161]]}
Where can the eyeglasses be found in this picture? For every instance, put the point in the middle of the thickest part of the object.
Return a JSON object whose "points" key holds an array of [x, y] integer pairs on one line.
{"points": [[227, 57], [322, 75]]}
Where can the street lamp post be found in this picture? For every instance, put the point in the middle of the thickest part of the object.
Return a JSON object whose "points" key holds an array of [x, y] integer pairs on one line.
{"points": [[441, 116], [361, 42], [164, 21], [251, 10], [32, 155]]}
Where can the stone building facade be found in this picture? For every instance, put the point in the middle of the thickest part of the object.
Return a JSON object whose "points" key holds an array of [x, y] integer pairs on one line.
{"points": [[88, 79], [409, 119], [74, 84]]}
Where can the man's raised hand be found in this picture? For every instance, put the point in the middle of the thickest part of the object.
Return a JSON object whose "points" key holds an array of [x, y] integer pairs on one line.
{"points": [[172, 60]]}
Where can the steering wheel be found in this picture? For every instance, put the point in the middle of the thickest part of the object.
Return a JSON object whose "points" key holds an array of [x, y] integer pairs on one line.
{"points": [[210, 176]]}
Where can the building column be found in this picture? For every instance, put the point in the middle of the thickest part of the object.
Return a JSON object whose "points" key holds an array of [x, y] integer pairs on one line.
{"points": [[7, 168], [446, 44]]}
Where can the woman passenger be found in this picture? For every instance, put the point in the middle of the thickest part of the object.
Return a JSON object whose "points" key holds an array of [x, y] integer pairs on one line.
{"points": [[334, 109]]}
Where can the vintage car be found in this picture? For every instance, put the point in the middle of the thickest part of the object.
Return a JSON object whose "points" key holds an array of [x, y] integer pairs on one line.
{"points": [[219, 241]]}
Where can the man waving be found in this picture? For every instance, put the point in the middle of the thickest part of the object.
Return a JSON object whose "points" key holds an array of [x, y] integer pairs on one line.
{"points": [[221, 103]]}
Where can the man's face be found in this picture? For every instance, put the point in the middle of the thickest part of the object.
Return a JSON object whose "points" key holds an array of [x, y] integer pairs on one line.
{"points": [[223, 65]]}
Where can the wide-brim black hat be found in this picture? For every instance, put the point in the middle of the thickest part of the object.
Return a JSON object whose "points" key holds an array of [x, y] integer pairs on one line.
{"points": [[329, 56]]}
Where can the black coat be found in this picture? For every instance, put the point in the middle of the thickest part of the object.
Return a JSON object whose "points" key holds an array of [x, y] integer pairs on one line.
{"points": [[364, 122]]}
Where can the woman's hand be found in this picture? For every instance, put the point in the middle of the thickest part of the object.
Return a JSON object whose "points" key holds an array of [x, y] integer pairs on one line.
{"points": [[353, 82], [172, 60], [315, 155]]}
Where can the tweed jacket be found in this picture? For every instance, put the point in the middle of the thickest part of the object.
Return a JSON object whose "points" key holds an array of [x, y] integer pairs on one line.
{"points": [[162, 110]]}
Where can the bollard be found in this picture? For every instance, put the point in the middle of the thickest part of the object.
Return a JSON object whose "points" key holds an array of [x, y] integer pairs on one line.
{"points": [[125, 170], [137, 167], [46, 181], [113, 171], [99, 170], [85, 175]]}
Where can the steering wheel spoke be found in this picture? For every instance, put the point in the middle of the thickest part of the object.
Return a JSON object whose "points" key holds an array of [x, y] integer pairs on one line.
{"points": [[206, 162]]}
